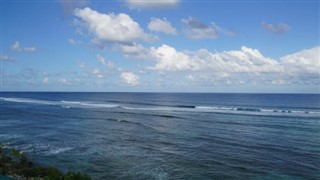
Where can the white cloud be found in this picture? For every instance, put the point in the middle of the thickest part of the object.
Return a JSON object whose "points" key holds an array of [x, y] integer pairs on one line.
{"points": [[169, 59], [110, 64], [151, 4], [160, 25], [65, 81], [224, 31], [130, 78], [104, 62], [278, 82], [98, 73], [6, 58], [305, 61], [16, 47], [238, 66], [111, 27], [101, 59], [73, 41], [276, 28], [195, 29], [134, 50], [45, 80], [245, 60]]}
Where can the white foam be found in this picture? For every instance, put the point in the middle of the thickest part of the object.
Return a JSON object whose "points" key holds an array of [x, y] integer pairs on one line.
{"points": [[100, 105], [63, 104], [58, 150], [207, 107], [70, 102], [155, 108], [26, 100], [213, 109]]}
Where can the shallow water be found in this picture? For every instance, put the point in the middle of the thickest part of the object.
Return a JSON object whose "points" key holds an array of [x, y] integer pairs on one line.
{"points": [[166, 135]]}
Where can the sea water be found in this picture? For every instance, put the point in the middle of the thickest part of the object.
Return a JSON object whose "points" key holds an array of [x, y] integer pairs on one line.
{"points": [[167, 135]]}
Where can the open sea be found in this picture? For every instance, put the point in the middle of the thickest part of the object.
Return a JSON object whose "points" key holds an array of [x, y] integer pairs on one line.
{"points": [[167, 135]]}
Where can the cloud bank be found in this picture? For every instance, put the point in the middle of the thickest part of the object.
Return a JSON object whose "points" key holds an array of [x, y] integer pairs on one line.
{"points": [[240, 65]]}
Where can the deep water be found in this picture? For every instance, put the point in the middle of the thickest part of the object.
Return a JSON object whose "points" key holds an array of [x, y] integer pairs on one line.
{"points": [[167, 135]]}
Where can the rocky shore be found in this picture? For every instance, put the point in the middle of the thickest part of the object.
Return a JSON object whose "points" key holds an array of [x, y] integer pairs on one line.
{"points": [[16, 165]]}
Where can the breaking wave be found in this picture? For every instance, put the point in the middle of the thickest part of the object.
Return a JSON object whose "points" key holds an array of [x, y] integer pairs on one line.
{"points": [[160, 107]]}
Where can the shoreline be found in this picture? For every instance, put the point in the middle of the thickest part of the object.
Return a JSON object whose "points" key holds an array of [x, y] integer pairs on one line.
{"points": [[16, 165]]}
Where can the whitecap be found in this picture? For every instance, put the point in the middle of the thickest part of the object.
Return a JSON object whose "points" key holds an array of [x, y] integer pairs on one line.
{"points": [[55, 151]]}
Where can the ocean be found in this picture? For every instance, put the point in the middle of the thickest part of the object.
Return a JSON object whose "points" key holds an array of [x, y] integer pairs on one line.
{"points": [[167, 135]]}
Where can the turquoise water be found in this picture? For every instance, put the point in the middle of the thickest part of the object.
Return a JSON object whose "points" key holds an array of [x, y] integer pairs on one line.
{"points": [[167, 135]]}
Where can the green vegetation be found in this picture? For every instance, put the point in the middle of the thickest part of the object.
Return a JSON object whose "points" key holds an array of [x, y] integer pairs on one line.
{"points": [[15, 164]]}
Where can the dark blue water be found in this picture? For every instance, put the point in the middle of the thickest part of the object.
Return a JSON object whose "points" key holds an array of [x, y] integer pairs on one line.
{"points": [[167, 136]]}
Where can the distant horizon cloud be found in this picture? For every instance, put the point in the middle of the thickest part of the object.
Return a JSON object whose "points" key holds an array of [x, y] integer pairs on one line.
{"points": [[278, 28], [64, 81], [17, 47], [129, 78], [247, 63], [151, 4]]}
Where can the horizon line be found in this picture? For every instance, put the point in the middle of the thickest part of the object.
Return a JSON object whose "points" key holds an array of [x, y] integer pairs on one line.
{"points": [[158, 92]]}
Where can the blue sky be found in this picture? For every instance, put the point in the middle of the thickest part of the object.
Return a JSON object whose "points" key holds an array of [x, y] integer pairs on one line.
{"points": [[160, 46]]}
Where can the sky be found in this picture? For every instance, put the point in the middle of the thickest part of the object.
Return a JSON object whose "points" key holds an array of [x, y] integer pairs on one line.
{"points": [[160, 46]]}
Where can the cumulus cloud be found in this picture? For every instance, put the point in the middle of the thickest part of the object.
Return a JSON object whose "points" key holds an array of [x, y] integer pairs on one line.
{"points": [[134, 50], [237, 66], [17, 47], [195, 29], [278, 28], [151, 4], [161, 25], [169, 59], [130, 78], [241, 61], [305, 61], [6, 58], [119, 28]]}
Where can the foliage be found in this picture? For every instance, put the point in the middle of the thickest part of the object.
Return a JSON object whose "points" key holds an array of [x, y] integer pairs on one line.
{"points": [[16, 163]]}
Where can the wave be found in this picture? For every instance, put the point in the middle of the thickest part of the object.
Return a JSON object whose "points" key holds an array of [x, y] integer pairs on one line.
{"points": [[63, 103], [155, 107], [249, 109], [58, 150], [27, 100]]}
